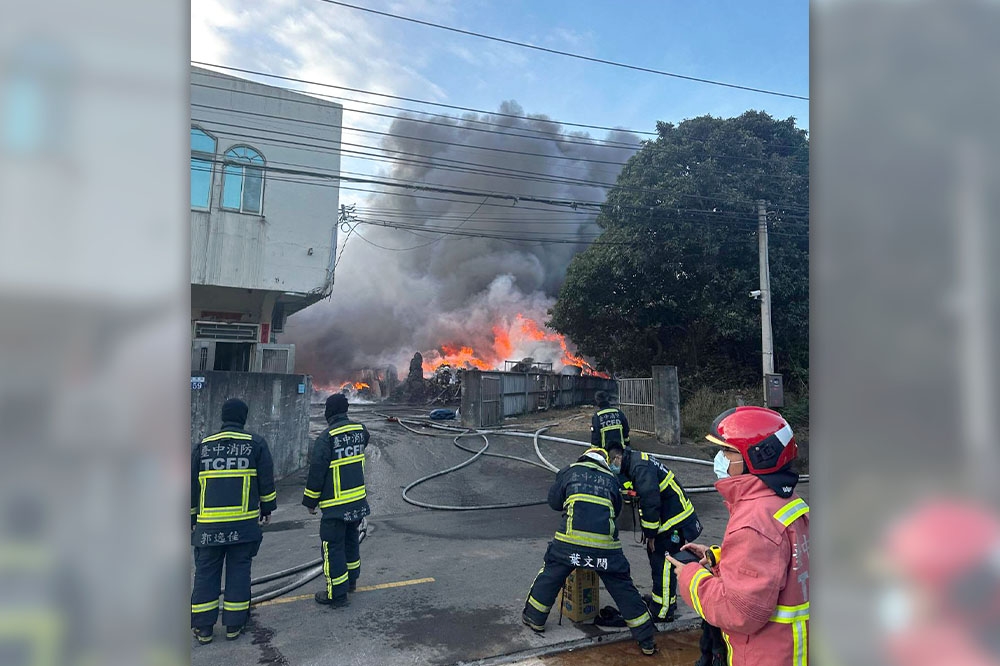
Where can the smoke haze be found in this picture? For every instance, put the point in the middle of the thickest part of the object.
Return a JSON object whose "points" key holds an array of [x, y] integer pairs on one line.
{"points": [[400, 291]]}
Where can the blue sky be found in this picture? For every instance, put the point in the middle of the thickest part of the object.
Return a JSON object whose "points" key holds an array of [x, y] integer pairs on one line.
{"points": [[759, 44]]}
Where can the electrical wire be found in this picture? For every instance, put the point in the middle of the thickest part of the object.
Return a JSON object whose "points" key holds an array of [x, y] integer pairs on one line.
{"points": [[566, 53]]}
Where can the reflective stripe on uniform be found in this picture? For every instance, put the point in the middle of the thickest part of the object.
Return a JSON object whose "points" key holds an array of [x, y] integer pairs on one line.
{"points": [[699, 576], [326, 570], [339, 580], [787, 514], [205, 607], [594, 466], [269, 497], [686, 507], [667, 568], [800, 643], [227, 435], [648, 524], [729, 649], [790, 614], [345, 498], [194, 511], [346, 428], [638, 622], [235, 605], [354, 565], [227, 517], [311, 494], [537, 605], [606, 543]]}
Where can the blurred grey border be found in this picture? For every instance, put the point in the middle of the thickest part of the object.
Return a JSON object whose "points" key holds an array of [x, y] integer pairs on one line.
{"points": [[94, 332], [904, 135]]}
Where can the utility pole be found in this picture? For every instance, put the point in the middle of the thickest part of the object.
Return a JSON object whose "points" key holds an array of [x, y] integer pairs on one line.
{"points": [[767, 347]]}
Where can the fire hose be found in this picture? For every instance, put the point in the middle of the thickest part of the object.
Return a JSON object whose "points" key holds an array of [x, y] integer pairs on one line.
{"points": [[535, 436]]}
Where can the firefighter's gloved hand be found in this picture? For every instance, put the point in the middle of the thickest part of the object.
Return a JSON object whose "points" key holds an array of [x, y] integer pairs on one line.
{"points": [[651, 544], [265, 518], [312, 511]]}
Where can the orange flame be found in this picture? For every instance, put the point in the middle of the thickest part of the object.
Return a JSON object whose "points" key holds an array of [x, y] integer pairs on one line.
{"points": [[505, 342], [360, 385]]}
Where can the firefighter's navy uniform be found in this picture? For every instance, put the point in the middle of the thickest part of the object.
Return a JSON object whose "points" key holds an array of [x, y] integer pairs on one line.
{"points": [[587, 493], [666, 515], [336, 484], [608, 425], [232, 486]]}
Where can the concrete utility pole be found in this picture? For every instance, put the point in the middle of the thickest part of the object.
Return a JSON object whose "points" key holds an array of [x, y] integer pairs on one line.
{"points": [[767, 347]]}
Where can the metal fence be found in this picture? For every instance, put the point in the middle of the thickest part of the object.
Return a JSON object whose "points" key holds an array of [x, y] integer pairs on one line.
{"points": [[488, 397], [635, 398]]}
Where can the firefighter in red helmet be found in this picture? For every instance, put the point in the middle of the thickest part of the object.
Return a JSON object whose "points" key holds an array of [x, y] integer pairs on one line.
{"points": [[756, 588]]}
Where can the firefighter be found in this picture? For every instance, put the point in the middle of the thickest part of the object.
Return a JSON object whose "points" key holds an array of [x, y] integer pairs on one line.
{"points": [[232, 490], [667, 517], [587, 492], [608, 424], [336, 484], [756, 588]]}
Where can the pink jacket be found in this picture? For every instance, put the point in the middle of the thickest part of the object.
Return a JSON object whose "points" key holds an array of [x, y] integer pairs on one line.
{"points": [[759, 592]]}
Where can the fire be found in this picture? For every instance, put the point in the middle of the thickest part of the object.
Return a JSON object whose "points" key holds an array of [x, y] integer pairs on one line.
{"points": [[360, 385], [508, 341]]}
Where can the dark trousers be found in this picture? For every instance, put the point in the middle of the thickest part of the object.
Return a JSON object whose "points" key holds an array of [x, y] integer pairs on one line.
{"points": [[208, 563], [610, 565], [341, 556], [664, 576]]}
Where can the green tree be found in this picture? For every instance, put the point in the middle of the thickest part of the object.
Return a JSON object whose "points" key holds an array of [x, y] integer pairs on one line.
{"points": [[669, 278]]}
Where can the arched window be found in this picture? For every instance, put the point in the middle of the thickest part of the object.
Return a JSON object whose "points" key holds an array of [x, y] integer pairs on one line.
{"points": [[243, 180], [202, 157]]}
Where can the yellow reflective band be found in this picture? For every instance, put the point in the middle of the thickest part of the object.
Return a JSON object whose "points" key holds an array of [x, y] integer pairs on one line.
{"points": [[729, 649], [790, 614], [605, 543], [269, 496], [592, 499], [667, 524], [347, 461], [347, 428], [227, 435], [326, 570], [665, 483], [235, 605], [649, 524], [344, 499], [339, 580], [800, 643], [644, 456], [699, 576], [205, 607], [611, 410], [787, 514], [354, 565], [224, 473], [226, 517], [194, 511], [639, 621], [311, 494], [665, 588], [537, 605]]}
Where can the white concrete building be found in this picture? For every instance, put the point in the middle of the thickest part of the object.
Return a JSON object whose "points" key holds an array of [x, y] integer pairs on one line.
{"points": [[263, 219]]}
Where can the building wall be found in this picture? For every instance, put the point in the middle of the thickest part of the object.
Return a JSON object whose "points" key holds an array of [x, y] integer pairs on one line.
{"points": [[290, 246], [278, 411]]}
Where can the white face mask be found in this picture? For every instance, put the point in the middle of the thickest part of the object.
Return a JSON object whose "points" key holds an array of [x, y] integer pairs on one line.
{"points": [[721, 465]]}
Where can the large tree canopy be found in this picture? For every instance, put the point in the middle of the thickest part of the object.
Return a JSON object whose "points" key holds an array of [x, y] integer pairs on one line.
{"points": [[668, 281]]}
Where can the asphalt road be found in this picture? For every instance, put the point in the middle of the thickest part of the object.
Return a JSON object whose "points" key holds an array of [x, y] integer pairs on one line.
{"points": [[436, 587]]}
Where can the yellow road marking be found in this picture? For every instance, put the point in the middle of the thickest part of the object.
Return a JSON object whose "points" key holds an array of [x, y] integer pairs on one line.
{"points": [[361, 588]]}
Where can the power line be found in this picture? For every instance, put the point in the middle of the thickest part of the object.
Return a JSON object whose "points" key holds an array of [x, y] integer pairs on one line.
{"points": [[516, 174], [415, 185], [499, 114], [566, 53]]}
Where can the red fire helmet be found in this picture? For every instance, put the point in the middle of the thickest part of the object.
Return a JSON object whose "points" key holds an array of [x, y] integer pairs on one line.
{"points": [[761, 435]]}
